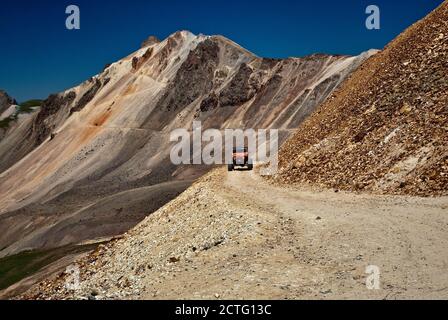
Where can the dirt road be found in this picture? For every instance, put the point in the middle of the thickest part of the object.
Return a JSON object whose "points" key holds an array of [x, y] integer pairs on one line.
{"points": [[334, 236], [236, 236]]}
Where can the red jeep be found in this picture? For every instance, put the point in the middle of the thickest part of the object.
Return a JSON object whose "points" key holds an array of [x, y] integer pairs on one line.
{"points": [[240, 158]]}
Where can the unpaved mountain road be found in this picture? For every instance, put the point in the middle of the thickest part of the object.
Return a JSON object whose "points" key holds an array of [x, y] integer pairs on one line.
{"points": [[331, 237], [236, 236]]}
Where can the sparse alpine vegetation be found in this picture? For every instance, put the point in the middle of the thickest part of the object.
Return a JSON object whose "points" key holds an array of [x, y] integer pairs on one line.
{"points": [[23, 108], [30, 105]]}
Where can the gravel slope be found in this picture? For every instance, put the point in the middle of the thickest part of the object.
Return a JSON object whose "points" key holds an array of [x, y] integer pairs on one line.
{"points": [[385, 129]]}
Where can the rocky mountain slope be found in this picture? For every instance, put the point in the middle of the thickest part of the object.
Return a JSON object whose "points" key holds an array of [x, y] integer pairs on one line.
{"points": [[385, 130], [94, 161]]}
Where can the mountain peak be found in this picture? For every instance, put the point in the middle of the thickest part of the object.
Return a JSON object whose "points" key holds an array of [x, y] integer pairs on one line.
{"points": [[152, 40]]}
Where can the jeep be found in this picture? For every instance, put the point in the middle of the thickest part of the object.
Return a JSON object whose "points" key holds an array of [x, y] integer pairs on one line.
{"points": [[240, 158]]}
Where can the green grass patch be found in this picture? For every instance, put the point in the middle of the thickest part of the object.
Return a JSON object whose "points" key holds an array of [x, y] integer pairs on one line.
{"points": [[27, 106], [20, 266]]}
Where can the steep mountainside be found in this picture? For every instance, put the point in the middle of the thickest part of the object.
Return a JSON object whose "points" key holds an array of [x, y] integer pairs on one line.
{"points": [[385, 129], [95, 160]]}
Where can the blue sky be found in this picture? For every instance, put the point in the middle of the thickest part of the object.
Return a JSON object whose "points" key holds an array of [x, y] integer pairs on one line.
{"points": [[39, 56]]}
